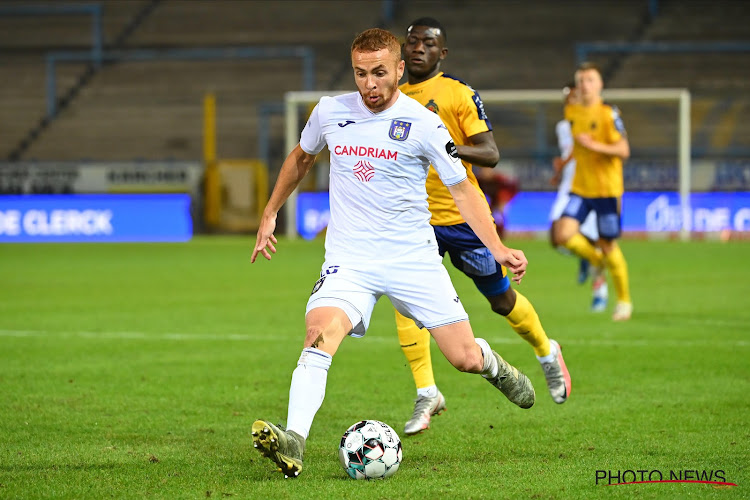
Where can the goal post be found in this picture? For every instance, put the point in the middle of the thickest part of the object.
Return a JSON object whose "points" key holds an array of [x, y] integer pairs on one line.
{"points": [[681, 97]]}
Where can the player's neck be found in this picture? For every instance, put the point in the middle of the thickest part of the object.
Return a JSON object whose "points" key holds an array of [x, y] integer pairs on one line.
{"points": [[393, 100], [387, 105], [592, 101], [414, 79]]}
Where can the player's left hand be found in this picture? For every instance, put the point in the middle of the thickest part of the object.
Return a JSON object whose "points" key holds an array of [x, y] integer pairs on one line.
{"points": [[515, 261], [265, 239]]}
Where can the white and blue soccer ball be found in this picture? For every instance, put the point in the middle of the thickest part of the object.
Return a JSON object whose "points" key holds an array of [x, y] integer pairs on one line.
{"points": [[370, 449]]}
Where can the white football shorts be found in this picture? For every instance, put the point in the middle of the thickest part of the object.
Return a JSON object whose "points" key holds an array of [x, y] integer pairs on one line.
{"points": [[420, 290]]}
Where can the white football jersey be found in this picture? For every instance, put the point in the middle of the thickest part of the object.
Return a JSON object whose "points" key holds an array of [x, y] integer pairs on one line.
{"points": [[379, 163], [565, 143]]}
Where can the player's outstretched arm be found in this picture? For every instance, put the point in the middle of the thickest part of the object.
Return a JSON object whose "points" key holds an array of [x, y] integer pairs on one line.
{"points": [[620, 148], [481, 152], [474, 210], [293, 170]]}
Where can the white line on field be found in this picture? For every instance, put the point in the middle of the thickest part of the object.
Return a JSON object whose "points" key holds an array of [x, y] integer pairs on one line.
{"points": [[244, 337]]}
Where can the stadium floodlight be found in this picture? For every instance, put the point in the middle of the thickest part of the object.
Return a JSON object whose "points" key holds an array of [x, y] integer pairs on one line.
{"points": [[293, 100]]}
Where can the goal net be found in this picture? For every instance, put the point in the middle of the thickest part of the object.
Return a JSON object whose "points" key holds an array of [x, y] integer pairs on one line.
{"points": [[657, 176]]}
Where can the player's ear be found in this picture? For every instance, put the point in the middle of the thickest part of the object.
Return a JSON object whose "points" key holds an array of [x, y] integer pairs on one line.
{"points": [[400, 68], [443, 53]]}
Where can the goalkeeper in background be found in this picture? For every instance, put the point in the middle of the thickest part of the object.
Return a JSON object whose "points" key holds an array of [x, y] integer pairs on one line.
{"points": [[462, 112], [601, 145]]}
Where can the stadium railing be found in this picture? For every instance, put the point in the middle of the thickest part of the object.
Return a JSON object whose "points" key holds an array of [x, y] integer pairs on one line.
{"points": [[303, 52], [94, 10], [584, 49]]}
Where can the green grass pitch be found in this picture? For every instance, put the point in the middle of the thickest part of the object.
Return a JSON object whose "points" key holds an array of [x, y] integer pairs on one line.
{"points": [[134, 371]]}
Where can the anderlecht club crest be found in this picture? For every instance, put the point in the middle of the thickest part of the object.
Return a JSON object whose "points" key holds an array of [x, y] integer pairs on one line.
{"points": [[399, 130]]}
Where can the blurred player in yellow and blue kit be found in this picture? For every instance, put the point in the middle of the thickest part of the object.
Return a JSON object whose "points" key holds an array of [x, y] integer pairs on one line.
{"points": [[601, 145], [462, 112]]}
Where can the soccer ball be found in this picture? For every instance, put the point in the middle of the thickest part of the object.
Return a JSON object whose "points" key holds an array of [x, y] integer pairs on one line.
{"points": [[370, 450]]}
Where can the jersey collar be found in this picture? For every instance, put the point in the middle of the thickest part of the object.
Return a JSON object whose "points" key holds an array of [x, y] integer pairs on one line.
{"points": [[418, 86], [385, 112]]}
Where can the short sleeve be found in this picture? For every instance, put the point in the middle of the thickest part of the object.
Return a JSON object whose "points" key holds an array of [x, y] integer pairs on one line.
{"points": [[472, 117], [312, 140], [617, 130], [443, 155]]}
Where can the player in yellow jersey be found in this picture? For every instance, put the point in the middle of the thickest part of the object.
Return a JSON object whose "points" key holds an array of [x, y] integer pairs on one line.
{"points": [[601, 145], [462, 112]]}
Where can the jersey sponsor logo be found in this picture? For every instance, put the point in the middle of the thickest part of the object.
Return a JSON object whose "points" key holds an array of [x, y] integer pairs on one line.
{"points": [[480, 106], [385, 154], [399, 130], [432, 106], [329, 270], [450, 148], [363, 171], [344, 124], [317, 285]]}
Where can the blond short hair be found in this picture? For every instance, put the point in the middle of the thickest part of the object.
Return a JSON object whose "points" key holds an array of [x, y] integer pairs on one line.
{"points": [[587, 65], [376, 39]]}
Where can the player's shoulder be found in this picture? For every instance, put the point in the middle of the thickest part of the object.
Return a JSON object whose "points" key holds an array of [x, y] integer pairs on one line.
{"points": [[612, 112], [348, 99], [562, 126], [414, 107], [610, 108], [571, 110], [336, 107], [448, 79], [456, 85]]}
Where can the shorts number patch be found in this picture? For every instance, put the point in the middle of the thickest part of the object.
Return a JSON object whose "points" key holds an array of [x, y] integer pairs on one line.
{"points": [[609, 225]]}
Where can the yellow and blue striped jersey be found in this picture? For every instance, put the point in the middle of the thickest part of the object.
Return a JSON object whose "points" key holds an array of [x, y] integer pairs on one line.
{"points": [[462, 112]]}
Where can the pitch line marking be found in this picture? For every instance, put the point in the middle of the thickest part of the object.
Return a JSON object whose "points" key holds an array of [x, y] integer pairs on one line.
{"points": [[245, 337]]}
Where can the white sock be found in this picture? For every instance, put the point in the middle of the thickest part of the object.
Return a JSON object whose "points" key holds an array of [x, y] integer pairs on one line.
{"points": [[307, 390], [427, 392], [489, 369], [549, 358]]}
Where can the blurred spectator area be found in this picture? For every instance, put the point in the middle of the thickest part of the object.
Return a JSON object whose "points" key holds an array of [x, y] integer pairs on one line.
{"points": [[153, 109]]}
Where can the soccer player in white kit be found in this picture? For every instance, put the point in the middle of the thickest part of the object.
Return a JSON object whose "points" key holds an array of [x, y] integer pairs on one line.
{"points": [[379, 239], [565, 169]]}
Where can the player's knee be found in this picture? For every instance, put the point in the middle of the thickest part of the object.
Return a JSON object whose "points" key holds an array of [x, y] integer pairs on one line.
{"points": [[314, 336], [606, 245], [469, 361], [555, 239], [558, 237], [565, 228], [503, 304]]}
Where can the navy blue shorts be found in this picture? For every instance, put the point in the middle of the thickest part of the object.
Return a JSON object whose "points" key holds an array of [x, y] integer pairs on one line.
{"points": [[608, 219], [469, 255]]}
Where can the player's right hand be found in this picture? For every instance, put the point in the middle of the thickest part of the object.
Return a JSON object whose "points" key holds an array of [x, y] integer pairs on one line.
{"points": [[515, 261], [265, 239], [558, 163]]}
